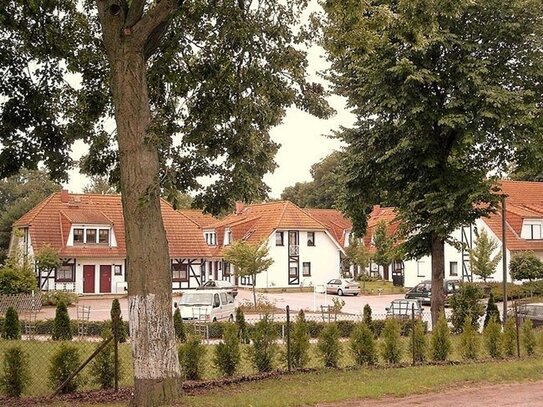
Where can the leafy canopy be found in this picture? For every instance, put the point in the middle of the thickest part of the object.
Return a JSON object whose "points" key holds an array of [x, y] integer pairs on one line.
{"points": [[248, 259], [525, 266], [480, 257]]}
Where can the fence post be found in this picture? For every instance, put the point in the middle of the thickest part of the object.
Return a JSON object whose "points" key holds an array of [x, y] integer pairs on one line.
{"points": [[288, 339], [116, 327], [413, 331], [517, 328]]}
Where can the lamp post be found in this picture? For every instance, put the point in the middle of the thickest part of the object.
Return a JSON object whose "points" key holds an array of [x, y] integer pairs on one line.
{"points": [[504, 259]]}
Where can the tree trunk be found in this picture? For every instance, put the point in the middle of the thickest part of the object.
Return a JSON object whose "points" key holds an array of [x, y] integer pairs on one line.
{"points": [[254, 289], [438, 273], [156, 366]]}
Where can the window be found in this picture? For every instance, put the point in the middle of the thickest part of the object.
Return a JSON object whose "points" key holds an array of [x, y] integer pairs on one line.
{"points": [[103, 236], [118, 270], [228, 237], [216, 301], [211, 238], [180, 272], [226, 269], [79, 236], [311, 238], [65, 273], [306, 271], [279, 239], [420, 269], [532, 231], [293, 271], [453, 268], [90, 236]]}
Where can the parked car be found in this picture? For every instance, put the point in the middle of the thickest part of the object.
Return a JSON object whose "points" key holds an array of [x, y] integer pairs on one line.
{"points": [[423, 291], [403, 309], [342, 286], [220, 285], [533, 312], [206, 305]]}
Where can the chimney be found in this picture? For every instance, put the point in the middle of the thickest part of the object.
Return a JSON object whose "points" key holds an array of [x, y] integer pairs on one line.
{"points": [[240, 206], [64, 196]]}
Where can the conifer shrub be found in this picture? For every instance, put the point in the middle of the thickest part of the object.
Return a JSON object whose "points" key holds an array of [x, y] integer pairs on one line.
{"points": [[15, 375], [191, 355], [63, 363], [367, 316], [264, 348], [491, 310], [441, 340], [470, 342], [466, 302], [392, 346], [328, 345], [102, 367], [509, 338], [243, 329], [12, 328], [299, 342], [61, 327], [178, 326], [528, 337], [362, 345], [493, 338], [418, 342], [227, 352], [119, 327]]}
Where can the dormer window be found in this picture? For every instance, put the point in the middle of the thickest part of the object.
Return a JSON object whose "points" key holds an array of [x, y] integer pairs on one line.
{"points": [[79, 236], [227, 237], [91, 235], [211, 238], [532, 230]]}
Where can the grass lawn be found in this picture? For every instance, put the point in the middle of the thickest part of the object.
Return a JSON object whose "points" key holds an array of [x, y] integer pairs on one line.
{"points": [[373, 287]]}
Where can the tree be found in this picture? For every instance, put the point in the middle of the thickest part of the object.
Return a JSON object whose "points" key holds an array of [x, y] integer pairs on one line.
{"points": [[194, 88], [62, 329], [358, 255], [480, 257], [384, 247], [47, 259], [525, 266], [16, 276], [443, 93], [100, 185], [12, 326], [249, 260]]}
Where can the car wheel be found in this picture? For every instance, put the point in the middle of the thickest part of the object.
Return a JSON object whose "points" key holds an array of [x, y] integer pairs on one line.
{"points": [[214, 319], [340, 292], [231, 318], [355, 294]]}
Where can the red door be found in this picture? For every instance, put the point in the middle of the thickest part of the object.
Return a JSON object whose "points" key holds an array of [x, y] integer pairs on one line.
{"points": [[88, 279], [105, 279]]}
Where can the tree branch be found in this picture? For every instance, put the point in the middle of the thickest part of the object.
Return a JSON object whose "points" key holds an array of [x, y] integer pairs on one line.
{"points": [[135, 12], [152, 26], [111, 14]]}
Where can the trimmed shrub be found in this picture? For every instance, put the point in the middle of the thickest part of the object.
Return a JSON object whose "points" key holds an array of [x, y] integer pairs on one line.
{"points": [[392, 347], [441, 340], [243, 331], [528, 337], [264, 348], [470, 342], [103, 366], [55, 297], [15, 373], [178, 326], [418, 342], [328, 345], [491, 310], [299, 342], [191, 356], [509, 338], [61, 327], [63, 363], [362, 345], [118, 317], [12, 327], [367, 316], [493, 338], [466, 303], [228, 353]]}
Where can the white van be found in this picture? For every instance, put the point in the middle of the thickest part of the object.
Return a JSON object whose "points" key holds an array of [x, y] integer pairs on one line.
{"points": [[207, 305]]}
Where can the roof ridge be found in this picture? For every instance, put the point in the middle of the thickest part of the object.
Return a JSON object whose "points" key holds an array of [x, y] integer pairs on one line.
{"points": [[186, 217], [280, 218]]}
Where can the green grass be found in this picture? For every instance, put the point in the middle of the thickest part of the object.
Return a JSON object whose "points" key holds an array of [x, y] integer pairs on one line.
{"points": [[373, 287]]}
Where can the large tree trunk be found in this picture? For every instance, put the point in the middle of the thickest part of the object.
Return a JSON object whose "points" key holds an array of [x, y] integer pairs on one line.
{"points": [[438, 273], [156, 366]]}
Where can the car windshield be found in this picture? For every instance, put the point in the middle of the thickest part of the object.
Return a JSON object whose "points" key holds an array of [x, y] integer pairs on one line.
{"points": [[196, 299]]}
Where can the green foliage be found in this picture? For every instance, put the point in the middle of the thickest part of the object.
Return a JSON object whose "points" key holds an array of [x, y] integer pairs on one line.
{"points": [[228, 353], [61, 328], [15, 376], [263, 349], [16, 276], [243, 330], [529, 340], [362, 345], [392, 346], [56, 297], [100, 185], [525, 266], [358, 254], [299, 342], [491, 310], [466, 303], [367, 316], [510, 338], [102, 367], [492, 335], [469, 341], [47, 258], [480, 257], [441, 340], [384, 245], [178, 326], [12, 328], [418, 342], [338, 305], [328, 345], [63, 363], [191, 355]]}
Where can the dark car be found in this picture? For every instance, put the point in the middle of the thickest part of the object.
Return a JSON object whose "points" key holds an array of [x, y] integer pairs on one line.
{"points": [[423, 291], [220, 285], [532, 312]]}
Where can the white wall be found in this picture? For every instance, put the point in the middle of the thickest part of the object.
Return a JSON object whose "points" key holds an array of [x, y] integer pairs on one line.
{"points": [[117, 282]]}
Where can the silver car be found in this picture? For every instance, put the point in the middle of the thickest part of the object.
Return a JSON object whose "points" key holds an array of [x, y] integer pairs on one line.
{"points": [[342, 286]]}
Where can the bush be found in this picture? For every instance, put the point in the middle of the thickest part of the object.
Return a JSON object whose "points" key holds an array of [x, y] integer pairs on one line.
{"points": [[491, 310], [441, 340], [493, 338], [328, 345], [525, 266], [469, 341], [228, 353], [103, 366], [392, 348], [418, 342], [178, 326], [528, 337], [117, 326], [243, 331], [362, 345], [367, 316], [191, 355], [264, 348], [466, 303], [299, 342], [55, 297], [16, 277], [12, 327], [509, 338], [15, 373], [61, 327], [63, 363]]}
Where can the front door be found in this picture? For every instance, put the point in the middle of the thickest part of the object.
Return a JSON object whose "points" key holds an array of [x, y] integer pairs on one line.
{"points": [[105, 279], [88, 278]]}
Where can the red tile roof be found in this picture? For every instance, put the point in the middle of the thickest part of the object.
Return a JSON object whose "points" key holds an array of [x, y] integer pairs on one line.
{"points": [[201, 219], [336, 223]]}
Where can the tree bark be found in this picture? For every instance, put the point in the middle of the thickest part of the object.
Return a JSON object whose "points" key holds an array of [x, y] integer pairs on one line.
{"points": [[438, 275], [254, 289]]}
